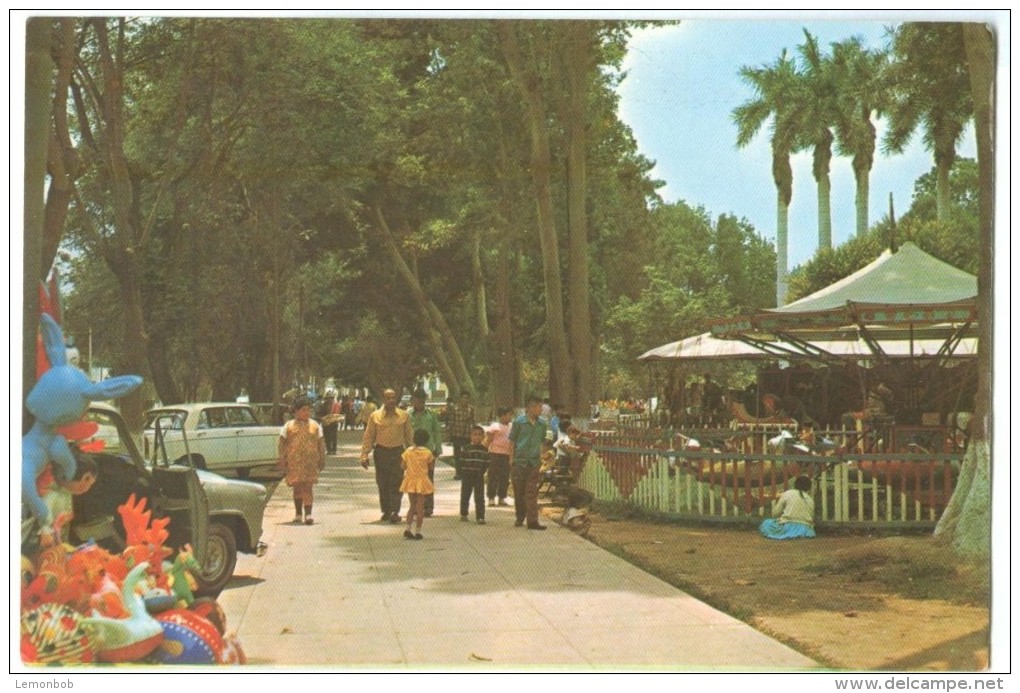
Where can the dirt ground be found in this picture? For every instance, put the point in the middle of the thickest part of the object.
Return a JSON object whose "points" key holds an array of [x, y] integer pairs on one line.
{"points": [[850, 601]]}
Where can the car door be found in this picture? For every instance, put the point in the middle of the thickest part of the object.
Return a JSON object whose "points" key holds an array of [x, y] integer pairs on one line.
{"points": [[252, 446], [170, 423], [172, 491], [214, 439]]}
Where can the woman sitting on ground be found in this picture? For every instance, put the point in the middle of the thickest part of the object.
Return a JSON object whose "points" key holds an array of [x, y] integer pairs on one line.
{"points": [[794, 513]]}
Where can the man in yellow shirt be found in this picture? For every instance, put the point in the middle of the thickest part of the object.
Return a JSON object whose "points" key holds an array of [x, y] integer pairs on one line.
{"points": [[387, 433]]}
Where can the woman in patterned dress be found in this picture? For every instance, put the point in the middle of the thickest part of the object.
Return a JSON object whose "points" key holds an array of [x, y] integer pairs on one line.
{"points": [[416, 462], [302, 455]]}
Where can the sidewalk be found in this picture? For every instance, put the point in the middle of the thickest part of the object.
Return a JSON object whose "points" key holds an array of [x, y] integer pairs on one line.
{"points": [[350, 593]]}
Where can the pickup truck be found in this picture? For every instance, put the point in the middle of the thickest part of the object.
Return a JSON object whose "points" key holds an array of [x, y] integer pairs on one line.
{"points": [[220, 436], [218, 517]]}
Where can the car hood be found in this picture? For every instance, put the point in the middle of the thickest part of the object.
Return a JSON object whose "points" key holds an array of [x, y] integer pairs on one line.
{"points": [[211, 479]]}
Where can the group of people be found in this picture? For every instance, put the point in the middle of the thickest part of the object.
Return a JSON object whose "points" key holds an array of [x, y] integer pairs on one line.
{"points": [[405, 444], [404, 447], [346, 413]]}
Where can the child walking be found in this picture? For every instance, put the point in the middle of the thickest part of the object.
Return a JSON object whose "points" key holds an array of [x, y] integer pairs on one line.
{"points": [[474, 459], [417, 462], [302, 455]]}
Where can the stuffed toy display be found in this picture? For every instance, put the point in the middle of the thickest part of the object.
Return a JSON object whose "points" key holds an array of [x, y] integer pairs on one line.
{"points": [[84, 605]]}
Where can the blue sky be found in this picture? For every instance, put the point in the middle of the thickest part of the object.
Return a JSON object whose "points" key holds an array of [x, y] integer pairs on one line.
{"points": [[682, 85]]}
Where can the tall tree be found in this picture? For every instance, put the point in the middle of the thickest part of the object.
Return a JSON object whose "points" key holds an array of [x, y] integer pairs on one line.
{"points": [[815, 113], [861, 92], [577, 61], [775, 94], [525, 74], [966, 522], [39, 71], [112, 219], [931, 85]]}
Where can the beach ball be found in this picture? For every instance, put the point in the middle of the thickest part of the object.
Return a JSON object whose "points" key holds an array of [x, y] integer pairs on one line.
{"points": [[187, 639]]}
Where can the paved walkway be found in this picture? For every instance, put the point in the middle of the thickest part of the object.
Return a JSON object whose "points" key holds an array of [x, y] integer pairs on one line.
{"points": [[350, 593]]}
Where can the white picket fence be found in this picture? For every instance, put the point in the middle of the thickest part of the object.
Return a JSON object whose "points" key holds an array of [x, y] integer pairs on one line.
{"points": [[849, 489]]}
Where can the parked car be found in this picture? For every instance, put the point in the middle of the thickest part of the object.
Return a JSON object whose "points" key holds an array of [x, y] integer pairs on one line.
{"points": [[220, 436], [219, 517]]}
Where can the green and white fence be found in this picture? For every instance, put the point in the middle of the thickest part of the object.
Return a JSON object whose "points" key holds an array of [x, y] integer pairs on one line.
{"points": [[850, 489]]}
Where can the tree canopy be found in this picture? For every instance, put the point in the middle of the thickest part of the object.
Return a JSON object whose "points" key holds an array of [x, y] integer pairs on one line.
{"points": [[261, 203]]}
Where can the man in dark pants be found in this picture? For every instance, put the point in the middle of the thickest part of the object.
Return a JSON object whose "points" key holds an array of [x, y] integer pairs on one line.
{"points": [[459, 420], [526, 436], [387, 433]]}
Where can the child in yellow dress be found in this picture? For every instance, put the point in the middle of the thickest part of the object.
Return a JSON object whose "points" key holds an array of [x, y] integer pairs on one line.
{"points": [[417, 461], [302, 456]]}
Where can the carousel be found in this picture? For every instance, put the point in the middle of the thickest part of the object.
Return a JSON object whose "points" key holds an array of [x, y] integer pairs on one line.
{"points": [[865, 386]]}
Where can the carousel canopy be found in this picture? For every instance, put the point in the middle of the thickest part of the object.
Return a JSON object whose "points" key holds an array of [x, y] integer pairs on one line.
{"points": [[903, 296], [705, 347]]}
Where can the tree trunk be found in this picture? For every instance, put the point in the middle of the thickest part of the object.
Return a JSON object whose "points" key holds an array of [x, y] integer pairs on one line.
{"points": [[502, 354], [63, 162], [483, 403], [966, 522], [864, 158], [162, 379], [541, 162], [782, 175], [478, 286], [861, 194], [134, 350], [444, 344], [942, 198], [38, 80], [782, 224], [577, 64], [820, 169]]}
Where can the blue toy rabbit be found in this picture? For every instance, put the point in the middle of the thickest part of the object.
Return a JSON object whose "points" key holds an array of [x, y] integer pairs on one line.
{"points": [[60, 397]]}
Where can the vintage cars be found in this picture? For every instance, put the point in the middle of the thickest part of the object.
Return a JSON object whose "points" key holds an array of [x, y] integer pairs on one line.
{"points": [[222, 437], [218, 517]]}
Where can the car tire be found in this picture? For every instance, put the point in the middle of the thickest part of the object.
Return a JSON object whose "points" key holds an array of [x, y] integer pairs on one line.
{"points": [[220, 559]]}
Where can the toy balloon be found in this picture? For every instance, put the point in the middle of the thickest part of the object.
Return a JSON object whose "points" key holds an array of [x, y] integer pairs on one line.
{"points": [[187, 639]]}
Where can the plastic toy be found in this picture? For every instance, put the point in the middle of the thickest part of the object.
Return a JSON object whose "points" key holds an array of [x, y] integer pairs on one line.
{"points": [[128, 639]]}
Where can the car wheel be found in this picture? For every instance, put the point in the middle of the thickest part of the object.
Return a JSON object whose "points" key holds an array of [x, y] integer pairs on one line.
{"points": [[220, 559]]}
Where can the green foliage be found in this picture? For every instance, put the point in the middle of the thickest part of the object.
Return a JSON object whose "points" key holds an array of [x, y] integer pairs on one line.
{"points": [[963, 192], [259, 151], [696, 272], [829, 266], [952, 240], [931, 85]]}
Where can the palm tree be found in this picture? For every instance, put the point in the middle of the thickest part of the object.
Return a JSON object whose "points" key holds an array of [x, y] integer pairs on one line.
{"points": [[862, 91], [931, 89], [776, 92], [815, 112]]}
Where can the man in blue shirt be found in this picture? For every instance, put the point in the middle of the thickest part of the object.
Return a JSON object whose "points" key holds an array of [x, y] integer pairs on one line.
{"points": [[526, 436]]}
